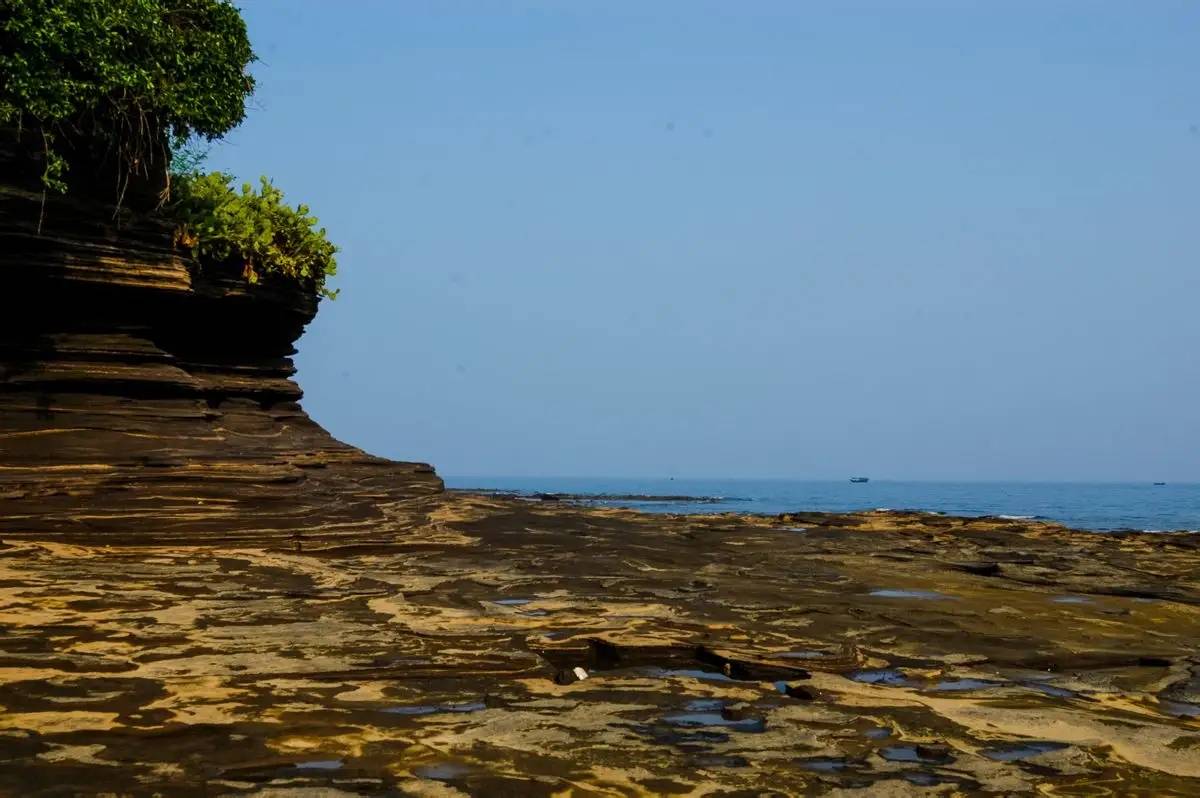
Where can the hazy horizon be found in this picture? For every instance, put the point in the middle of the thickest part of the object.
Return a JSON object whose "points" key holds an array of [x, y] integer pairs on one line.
{"points": [[808, 241], [714, 478]]}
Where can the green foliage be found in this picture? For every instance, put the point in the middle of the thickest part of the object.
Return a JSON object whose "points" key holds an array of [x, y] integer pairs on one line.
{"points": [[255, 230], [147, 82], [119, 76]]}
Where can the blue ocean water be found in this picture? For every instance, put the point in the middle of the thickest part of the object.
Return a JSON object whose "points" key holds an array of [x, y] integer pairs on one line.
{"points": [[1095, 506]]}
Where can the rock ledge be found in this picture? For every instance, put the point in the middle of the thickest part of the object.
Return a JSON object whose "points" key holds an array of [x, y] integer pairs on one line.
{"points": [[142, 396]]}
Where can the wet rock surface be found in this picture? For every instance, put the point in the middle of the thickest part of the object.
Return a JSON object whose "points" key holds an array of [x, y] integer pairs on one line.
{"points": [[426, 657]]}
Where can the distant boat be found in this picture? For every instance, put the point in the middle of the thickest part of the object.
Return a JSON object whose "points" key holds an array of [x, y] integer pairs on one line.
{"points": [[860, 479], [1160, 483]]}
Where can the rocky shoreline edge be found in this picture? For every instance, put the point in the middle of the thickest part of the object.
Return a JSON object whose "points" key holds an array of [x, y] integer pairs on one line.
{"points": [[483, 645], [635, 500]]}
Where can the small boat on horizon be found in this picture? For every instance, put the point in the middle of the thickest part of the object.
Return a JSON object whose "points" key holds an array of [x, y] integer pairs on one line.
{"points": [[860, 479], [1160, 483]]}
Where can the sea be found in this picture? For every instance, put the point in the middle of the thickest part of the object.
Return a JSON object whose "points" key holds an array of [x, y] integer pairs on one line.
{"points": [[1082, 505]]}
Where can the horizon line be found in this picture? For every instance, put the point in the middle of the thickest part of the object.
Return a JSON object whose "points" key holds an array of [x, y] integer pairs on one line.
{"points": [[1010, 480]]}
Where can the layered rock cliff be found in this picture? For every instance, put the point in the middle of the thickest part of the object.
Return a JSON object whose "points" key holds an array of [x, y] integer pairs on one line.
{"points": [[141, 395]]}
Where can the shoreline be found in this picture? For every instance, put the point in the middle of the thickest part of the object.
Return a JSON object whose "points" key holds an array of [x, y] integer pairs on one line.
{"points": [[634, 501]]}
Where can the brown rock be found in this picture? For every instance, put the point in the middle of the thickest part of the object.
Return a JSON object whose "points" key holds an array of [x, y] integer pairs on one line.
{"points": [[158, 394]]}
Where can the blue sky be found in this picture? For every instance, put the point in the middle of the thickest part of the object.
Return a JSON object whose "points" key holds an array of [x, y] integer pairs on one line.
{"points": [[938, 240]]}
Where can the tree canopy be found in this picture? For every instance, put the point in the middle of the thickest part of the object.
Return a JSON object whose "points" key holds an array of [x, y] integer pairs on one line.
{"points": [[134, 82], [121, 77]]}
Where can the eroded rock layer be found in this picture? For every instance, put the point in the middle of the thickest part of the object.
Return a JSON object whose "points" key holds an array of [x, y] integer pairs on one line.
{"points": [[141, 397]]}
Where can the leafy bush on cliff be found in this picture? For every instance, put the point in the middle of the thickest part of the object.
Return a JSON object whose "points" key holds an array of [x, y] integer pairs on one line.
{"points": [[137, 83], [257, 231], [116, 78]]}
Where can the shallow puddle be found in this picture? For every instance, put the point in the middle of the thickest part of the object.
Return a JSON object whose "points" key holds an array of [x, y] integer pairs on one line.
{"points": [[927, 595], [916, 753], [1071, 600], [696, 673], [1179, 709], [900, 753], [705, 705], [891, 678], [966, 684], [716, 719], [512, 602], [320, 764]]}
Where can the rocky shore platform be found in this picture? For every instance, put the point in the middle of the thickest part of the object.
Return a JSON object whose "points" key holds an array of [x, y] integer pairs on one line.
{"points": [[481, 645]]}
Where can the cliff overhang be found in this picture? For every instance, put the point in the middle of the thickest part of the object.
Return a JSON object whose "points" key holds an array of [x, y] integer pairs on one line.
{"points": [[141, 394]]}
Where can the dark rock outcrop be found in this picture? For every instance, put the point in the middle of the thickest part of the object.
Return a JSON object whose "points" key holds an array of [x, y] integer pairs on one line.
{"points": [[141, 395]]}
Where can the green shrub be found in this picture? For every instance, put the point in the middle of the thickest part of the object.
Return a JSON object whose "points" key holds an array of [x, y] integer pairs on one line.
{"points": [[121, 76], [256, 231], [142, 82]]}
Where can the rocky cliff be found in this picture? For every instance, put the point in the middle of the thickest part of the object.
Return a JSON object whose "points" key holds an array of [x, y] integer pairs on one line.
{"points": [[141, 395]]}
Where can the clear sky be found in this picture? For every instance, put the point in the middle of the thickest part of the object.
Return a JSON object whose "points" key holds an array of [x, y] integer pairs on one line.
{"points": [[928, 240]]}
